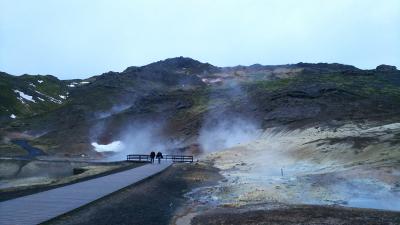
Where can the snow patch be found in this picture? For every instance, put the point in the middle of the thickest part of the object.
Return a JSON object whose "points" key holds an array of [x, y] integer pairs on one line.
{"points": [[49, 97], [40, 81], [55, 100], [22, 96], [12, 116], [115, 146], [74, 84], [63, 96], [31, 84]]}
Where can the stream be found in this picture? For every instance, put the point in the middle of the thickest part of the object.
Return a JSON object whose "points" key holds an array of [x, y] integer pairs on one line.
{"points": [[32, 151]]}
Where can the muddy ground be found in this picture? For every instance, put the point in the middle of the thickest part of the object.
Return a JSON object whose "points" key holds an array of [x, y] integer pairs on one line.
{"points": [[151, 202], [158, 201], [302, 214]]}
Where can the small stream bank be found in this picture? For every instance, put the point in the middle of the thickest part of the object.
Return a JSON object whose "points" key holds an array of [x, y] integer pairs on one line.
{"points": [[32, 151]]}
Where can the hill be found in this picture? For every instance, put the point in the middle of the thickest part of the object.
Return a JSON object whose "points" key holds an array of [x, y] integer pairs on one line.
{"points": [[181, 104]]}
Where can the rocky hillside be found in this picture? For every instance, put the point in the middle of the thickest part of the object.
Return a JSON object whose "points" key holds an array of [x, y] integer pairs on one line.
{"points": [[175, 100], [28, 95]]}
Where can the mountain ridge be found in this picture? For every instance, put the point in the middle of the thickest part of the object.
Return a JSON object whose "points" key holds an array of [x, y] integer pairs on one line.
{"points": [[183, 96], [181, 61]]}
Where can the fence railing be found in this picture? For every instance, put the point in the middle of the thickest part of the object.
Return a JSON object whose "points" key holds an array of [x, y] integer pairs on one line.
{"points": [[138, 158], [174, 158], [179, 158]]}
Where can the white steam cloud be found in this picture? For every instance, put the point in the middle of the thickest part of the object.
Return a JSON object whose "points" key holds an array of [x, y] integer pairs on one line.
{"points": [[139, 138], [223, 130], [228, 133], [114, 110]]}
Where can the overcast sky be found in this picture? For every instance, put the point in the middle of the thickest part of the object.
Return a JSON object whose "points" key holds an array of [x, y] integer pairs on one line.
{"points": [[81, 38]]}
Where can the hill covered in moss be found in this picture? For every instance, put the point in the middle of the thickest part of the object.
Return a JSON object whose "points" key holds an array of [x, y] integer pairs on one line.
{"points": [[177, 101]]}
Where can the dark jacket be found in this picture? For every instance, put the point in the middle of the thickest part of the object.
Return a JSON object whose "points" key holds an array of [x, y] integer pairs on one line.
{"points": [[159, 155], [152, 155]]}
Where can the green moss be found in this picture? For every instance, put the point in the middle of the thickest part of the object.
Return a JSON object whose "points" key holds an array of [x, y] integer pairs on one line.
{"points": [[270, 85], [199, 98], [369, 86], [11, 150]]}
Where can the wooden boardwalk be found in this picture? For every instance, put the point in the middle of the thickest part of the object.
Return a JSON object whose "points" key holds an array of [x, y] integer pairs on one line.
{"points": [[43, 206]]}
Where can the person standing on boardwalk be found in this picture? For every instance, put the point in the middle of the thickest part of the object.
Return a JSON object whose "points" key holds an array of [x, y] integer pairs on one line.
{"points": [[159, 157], [152, 155]]}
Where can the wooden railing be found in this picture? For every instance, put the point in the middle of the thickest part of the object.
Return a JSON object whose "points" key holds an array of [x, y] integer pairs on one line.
{"points": [[174, 158], [138, 158], [179, 158]]}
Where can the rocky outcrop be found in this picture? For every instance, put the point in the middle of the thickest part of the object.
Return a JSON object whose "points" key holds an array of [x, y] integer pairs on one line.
{"points": [[386, 68]]}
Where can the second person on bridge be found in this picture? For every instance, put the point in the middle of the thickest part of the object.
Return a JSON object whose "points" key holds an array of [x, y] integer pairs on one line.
{"points": [[159, 157]]}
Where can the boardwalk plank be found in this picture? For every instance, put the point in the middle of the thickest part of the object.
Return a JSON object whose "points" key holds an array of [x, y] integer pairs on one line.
{"points": [[43, 206]]}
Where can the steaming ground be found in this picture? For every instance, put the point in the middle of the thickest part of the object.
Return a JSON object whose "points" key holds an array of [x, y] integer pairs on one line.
{"points": [[353, 165]]}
